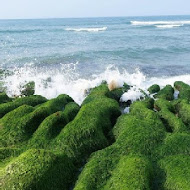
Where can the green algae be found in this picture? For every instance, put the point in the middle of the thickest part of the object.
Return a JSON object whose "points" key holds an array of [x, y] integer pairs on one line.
{"points": [[52, 125], [118, 92], [25, 120], [145, 149], [167, 113], [28, 89], [131, 173], [184, 90], [154, 89], [37, 170], [89, 130], [4, 98], [134, 137], [31, 101], [166, 93], [177, 172], [175, 144], [183, 108]]}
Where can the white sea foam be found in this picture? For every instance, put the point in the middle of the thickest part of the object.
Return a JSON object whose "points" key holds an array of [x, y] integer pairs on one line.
{"points": [[168, 26], [126, 110], [86, 29], [147, 23], [51, 82], [133, 94]]}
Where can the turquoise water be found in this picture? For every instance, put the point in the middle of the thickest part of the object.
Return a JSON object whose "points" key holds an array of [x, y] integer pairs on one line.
{"points": [[72, 50]]}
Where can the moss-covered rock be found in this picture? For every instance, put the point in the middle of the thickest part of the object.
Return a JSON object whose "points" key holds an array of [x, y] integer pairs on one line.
{"points": [[28, 89], [21, 123], [131, 173], [98, 169], [167, 114], [184, 90], [52, 125], [145, 149], [139, 134], [175, 144], [183, 108], [31, 100], [96, 93], [105, 172], [166, 93], [136, 136], [4, 98], [37, 170], [9, 152], [177, 172], [154, 89], [118, 92], [71, 109], [90, 128]]}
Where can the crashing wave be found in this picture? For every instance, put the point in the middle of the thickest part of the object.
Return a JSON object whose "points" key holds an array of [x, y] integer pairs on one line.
{"points": [[148, 23], [86, 29], [67, 80]]}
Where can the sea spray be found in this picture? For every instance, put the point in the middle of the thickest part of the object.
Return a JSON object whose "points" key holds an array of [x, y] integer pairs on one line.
{"points": [[66, 80], [86, 29]]}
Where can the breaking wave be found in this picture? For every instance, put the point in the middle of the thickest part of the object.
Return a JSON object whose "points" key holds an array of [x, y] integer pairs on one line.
{"points": [[86, 29], [52, 82], [148, 23], [168, 26]]}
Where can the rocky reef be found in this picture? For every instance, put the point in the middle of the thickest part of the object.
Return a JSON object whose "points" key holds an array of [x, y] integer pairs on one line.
{"points": [[58, 145]]}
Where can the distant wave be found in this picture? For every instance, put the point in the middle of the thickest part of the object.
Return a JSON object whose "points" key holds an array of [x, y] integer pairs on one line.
{"points": [[148, 23], [20, 31], [86, 29], [169, 25]]}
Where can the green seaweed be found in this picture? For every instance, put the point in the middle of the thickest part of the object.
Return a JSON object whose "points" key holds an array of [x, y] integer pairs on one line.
{"points": [[175, 144], [28, 89], [89, 130], [166, 93], [184, 90], [37, 170], [167, 113], [177, 172], [154, 89], [31, 101], [131, 173], [4, 98], [52, 125], [145, 149], [20, 124], [134, 137], [183, 108]]}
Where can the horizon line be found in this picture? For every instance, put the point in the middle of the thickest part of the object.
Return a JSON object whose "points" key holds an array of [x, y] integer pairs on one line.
{"points": [[40, 18]]}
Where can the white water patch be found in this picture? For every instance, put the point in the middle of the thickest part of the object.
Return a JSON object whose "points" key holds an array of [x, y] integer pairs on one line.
{"points": [[126, 110], [148, 23], [65, 80], [133, 94], [176, 94], [86, 29], [168, 26]]}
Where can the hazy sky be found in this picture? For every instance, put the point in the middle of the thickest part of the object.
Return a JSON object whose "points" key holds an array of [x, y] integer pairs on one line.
{"points": [[91, 8]]}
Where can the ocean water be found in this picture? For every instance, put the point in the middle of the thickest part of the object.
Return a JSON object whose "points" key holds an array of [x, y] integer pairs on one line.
{"points": [[72, 55]]}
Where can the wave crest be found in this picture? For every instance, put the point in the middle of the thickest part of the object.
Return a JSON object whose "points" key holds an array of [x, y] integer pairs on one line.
{"points": [[148, 23], [86, 29], [168, 26], [66, 80]]}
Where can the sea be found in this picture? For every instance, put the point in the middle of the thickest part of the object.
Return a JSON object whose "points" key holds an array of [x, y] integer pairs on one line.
{"points": [[72, 55]]}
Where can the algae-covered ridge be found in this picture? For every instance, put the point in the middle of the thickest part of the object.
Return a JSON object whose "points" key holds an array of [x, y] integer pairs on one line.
{"points": [[58, 145]]}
